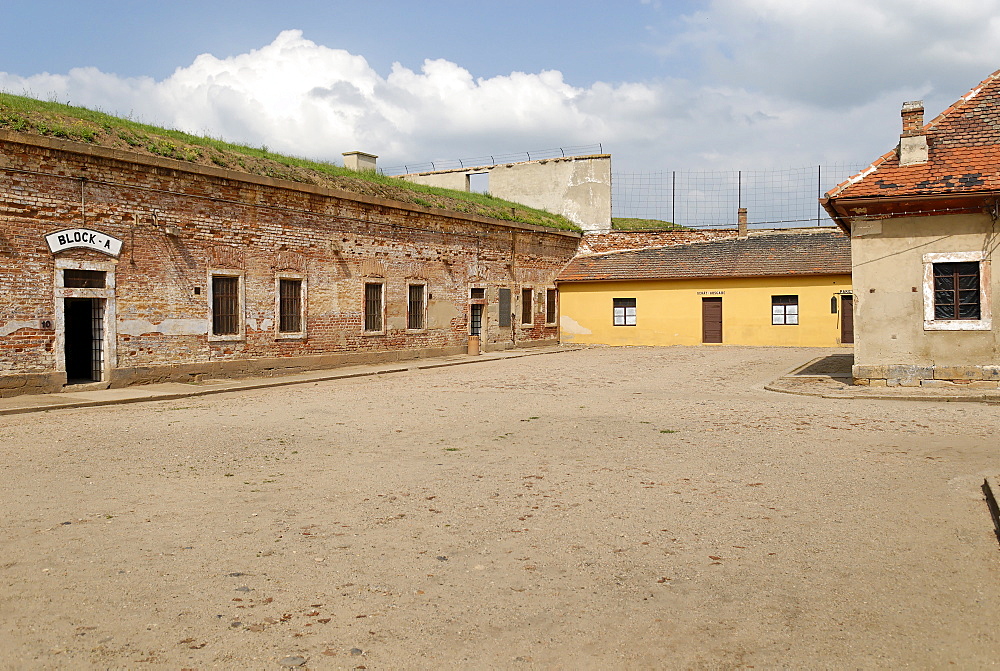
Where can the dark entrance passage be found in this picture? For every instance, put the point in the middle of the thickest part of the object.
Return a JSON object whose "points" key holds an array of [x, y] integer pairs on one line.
{"points": [[84, 320], [846, 319], [711, 320]]}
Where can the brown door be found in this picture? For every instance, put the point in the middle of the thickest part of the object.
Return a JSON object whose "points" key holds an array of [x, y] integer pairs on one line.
{"points": [[847, 319], [711, 320]]}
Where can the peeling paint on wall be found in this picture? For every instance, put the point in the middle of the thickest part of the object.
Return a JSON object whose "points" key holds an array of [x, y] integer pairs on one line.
{"points": [[570, 326], [138, 327]]}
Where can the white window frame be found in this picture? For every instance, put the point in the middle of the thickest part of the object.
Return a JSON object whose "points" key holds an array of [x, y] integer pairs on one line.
{"points": [[364, 305], [241, 321], [985, 321], [555, 303], [781, 311], [624, 318], [531, 307], [416, 283], [303, 293]]}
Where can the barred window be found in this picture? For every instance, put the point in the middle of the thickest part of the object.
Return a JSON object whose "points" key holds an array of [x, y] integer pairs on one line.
{"points": [[225, 305], [784, 310], [415, 308], [624, 311], [527, 307], [373, 307], [550, 306], [503, 320], [956, 290], [289, 305]]}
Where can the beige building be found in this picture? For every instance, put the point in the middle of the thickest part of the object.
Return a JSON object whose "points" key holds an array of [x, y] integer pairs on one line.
{"points": [[923, 227]]}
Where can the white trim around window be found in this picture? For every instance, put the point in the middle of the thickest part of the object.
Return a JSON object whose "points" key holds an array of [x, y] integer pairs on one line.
{"points": [[985, 321], [284, 323], [416, 321], [239, 328]]}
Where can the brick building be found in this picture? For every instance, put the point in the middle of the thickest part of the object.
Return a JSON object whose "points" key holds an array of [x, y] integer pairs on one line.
{"points": [[119, 269]]}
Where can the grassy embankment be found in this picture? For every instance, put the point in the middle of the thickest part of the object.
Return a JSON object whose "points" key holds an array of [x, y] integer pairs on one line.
{"points": [[629, 224], [78, 124]]}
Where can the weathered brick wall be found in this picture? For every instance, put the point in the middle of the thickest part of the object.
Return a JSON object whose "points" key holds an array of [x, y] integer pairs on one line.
{"points": [[179, 222], [616, 241]]}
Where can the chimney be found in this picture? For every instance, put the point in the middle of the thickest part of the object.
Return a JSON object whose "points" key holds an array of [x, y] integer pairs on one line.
{"points": [[742, 218], [359, 160], [913, 141]]}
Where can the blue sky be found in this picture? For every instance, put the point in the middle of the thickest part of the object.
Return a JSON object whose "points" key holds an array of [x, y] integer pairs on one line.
{"points": [[714, 85]]}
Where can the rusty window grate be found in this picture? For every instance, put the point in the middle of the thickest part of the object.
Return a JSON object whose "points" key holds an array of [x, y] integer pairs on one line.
{"points": [[956, 290], [526, 307], [289, 305], [477, 292], [784, 310], [550, 306], [624, 311], [373, 307], [504, 318], [225, 305], [415, 307], [84, 279]]}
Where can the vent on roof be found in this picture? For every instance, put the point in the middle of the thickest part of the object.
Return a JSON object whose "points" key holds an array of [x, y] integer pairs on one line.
{"points": [[913, 141]]}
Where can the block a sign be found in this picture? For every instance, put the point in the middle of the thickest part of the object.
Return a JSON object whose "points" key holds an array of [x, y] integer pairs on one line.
{"points": [[83, 237]]}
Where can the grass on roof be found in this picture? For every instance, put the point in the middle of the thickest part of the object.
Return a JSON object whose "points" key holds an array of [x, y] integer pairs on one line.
{"points": [[630, 224], [79, 124]]}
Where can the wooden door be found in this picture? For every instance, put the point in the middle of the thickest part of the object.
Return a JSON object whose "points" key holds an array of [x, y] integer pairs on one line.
{"points": [[847, 319], [711, 320]]}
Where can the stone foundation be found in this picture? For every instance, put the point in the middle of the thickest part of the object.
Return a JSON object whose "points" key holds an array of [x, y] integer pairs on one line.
{"points": [[908, 375]]}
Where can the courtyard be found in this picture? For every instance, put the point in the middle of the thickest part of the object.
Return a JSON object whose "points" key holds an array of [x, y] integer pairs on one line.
{"points": [[597, 508]]}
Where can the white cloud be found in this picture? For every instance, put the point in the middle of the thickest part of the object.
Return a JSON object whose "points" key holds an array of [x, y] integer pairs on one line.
{"points": [[787, 83]]}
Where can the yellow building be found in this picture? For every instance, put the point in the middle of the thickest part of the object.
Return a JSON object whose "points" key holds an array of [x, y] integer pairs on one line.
{"points": [[787, 287]]}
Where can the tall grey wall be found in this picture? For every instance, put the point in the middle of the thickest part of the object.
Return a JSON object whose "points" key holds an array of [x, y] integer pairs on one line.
{"points": [[579, 188]]}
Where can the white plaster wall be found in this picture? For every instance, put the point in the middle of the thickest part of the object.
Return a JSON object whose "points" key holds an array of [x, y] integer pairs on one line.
{"points": [[888, 280], [578, 188]]}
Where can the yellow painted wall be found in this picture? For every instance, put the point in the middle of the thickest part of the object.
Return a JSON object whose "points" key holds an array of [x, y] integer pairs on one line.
{"points": [[668, 312]]}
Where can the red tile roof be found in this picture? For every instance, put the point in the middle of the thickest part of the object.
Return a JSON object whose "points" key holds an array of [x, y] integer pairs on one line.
{"points": [[963, 154], [771, 254]]}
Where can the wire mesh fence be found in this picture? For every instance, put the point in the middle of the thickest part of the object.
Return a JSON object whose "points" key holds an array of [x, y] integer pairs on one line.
{"points": [[488, 161], [711, 199]]}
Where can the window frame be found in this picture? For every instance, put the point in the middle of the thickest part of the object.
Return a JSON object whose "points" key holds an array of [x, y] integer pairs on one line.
{"points": [[624, 315], [527, 307], [551, 306], [364, 307], [290, 335], [985, 321], [423, 306], [241, 322], [784, 306]]}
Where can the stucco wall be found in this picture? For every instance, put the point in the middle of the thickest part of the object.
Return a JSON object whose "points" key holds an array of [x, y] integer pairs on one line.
{"points": [[578, 188], [892, 341], [669, 312]]}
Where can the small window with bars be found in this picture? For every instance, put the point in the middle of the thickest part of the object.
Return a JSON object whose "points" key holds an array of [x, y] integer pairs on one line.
{"points": [[550, 306], [225, 305], [527, 307], [373, 307], [784, 310], [415, 308], [624, 311], [84, 279], [956, 291], [289, 305]]}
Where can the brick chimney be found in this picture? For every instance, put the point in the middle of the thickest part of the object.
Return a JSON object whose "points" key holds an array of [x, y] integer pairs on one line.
{"points": [[359, 160], [913, 141], [742, 219]]}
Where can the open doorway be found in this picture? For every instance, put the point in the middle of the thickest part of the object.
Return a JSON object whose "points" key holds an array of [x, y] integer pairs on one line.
{"points": [[84, 329], [479, 182]]}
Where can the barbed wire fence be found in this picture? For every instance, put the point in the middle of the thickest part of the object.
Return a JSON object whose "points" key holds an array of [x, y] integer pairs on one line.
{"points": [[488, 161], [711, 199]]}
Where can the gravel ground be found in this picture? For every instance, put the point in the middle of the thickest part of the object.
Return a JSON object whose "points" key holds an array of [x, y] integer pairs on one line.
{"points": [[601, 508]]}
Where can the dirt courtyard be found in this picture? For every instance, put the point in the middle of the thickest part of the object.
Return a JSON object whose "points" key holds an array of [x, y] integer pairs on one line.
{"points": [[601, 508]]}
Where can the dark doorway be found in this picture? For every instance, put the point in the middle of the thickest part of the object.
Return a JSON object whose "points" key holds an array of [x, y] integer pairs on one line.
{"points": [[84, 320], [846, 319], [711, 320]]}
